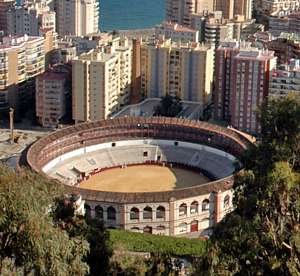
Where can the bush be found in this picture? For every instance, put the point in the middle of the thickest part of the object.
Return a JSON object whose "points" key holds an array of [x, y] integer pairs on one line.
{"points": [[139, 242]]}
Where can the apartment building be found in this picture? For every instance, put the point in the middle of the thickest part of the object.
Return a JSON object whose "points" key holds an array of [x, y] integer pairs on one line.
{"points": [[278, 7], [101, 83], [52, 90], [232, 8], [242, 84], [182, 70], [5, 5], [180, 11], [77, 17], [22, 58], [29, 19], [285, 79], [222, 80], [176, 32]]}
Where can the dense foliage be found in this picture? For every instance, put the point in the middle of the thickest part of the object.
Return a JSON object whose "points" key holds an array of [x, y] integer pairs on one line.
{"points": [[262, 235], [30, 243], [139, 242], [92, 230], [169, 107]]}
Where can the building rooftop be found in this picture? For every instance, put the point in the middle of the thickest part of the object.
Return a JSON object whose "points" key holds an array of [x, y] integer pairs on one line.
{"points": [[190, 110]]}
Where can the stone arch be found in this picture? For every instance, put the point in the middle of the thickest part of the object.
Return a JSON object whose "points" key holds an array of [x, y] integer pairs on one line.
{"points": [[160, 212], [134, 213], [205, 204], [182, 209], [111, 213], [194, 207], [88, 210], [99, 212], [147, 212]]}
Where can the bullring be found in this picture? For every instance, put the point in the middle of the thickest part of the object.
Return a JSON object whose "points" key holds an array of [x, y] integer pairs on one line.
{"points": [[81, 152]]}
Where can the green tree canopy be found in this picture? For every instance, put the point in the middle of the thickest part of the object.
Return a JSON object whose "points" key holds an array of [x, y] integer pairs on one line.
{"points": [[30, 243], [262, 235], [168, 107]]}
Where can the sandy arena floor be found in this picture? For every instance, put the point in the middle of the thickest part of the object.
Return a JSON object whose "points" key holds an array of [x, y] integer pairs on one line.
{"points": [[143, 179]]}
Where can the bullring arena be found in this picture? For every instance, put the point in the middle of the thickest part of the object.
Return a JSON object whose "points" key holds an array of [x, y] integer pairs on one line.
{"points": [[165, 176]]}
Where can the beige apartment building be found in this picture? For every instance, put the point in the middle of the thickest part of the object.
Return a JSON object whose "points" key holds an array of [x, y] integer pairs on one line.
{"points": [[183, 70], [21, 59], [77, 17], [101, 83], [182, 11]]}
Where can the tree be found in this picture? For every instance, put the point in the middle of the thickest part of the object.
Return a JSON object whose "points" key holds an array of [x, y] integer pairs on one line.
{"points": [[29, 240], [262, 235], [168, 107], [92, 230]]}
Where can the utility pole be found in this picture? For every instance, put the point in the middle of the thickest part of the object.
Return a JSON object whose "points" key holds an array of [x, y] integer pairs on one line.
{"points": [[11, 125]]}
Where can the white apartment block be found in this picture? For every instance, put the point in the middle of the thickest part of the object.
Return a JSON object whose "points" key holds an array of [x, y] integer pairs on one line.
{"points": [[77, 17], [285, 79], [182, 70], [101, 83]]}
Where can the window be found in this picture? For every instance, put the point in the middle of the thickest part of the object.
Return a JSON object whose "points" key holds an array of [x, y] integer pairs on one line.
{"points": [[134, 213], [111, 213], [160, 212], [226, 201], [99, 212], [183, 209], [194, 207], [135, 229], [113, 144], [175, 143], [145, 153], [147, 229], [182, 227], [161, 228], [147, 213], [205, 205]]}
